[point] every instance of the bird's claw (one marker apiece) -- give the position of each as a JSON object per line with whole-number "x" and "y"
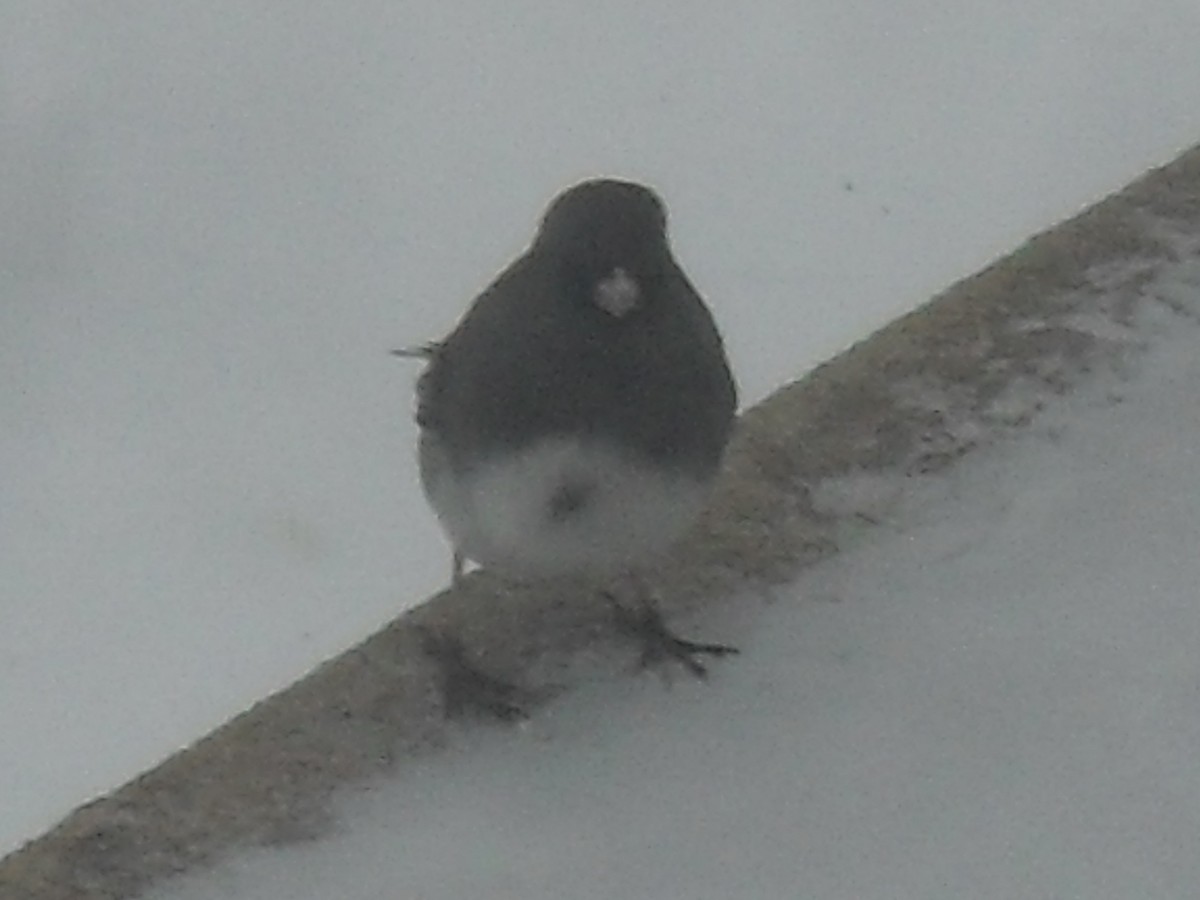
{"x": 660, "y": 644}
{"x": 466, "y": 687}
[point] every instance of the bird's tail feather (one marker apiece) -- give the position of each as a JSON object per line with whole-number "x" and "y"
{"x": 426, "y": 350}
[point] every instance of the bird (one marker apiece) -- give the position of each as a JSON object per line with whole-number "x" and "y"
{"x": 575, "y": 419}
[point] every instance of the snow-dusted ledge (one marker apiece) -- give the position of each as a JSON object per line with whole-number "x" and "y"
{"x": 974, "y": 364}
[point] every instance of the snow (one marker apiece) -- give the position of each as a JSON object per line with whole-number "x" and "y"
{"x": 993, "y": 694}
{"x": 215, "y": 218}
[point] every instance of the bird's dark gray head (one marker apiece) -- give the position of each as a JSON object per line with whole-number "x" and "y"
{"x": 609, "y": 240}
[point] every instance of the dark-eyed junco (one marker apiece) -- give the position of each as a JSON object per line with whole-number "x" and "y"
{"x": 575, "y": 418}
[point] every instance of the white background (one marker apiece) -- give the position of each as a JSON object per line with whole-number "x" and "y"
{"x": 216, "y": 217}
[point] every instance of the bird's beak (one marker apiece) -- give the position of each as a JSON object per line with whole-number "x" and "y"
{"x": 618, "y": 293}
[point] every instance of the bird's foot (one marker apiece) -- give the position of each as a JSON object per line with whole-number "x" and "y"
{"x": 660, "y": 644}
{"x": 465, "y": 687}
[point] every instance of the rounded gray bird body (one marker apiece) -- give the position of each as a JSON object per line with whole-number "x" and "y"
{"x": 576, "y": 416}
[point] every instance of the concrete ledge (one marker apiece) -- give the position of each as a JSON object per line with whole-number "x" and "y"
{"x": 974, "y": 364}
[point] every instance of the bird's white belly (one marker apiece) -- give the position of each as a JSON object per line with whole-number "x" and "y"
{"x": 561, "y": 506}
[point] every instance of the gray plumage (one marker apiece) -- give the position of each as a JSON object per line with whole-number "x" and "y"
{"x": 594, "y": 339}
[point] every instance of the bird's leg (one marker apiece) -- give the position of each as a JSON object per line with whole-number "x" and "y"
{"x": 457, "y": 565}
{"x": 466, "y": 687}
{"x": 659, "y": 643}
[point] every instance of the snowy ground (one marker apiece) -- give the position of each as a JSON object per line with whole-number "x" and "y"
{"x": 215, "y": 217}
{"x": 993, "y": 694}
